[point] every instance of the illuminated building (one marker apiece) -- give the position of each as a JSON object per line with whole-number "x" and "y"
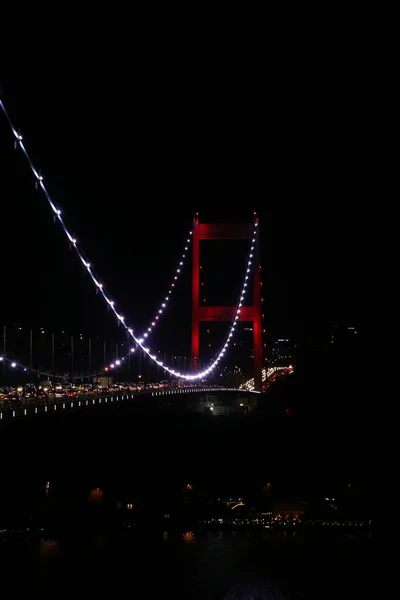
{"x": 282, "y": 352}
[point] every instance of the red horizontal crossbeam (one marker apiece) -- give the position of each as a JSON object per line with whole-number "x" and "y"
{"x": 224, "y": 231}
{"x": 226, "y": 313}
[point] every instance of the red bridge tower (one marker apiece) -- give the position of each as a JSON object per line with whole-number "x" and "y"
{"x": 203, "y": 231}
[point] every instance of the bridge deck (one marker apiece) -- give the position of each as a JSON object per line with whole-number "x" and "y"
{"x": 68, "y": 404}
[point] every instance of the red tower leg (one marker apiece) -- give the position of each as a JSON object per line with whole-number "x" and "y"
{"x": 196, "y": 297}
{"x": 257, "y": 327}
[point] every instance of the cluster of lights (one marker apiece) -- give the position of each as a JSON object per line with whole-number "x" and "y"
{"x": 116, "y": 363}
{"x": 175, "y": 277}
{"x": 100, "y": 288}
{"x": 266, "y": 375}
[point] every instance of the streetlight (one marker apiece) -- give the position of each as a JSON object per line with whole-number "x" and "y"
{"x": 117, "y": 362}
{"x": 112, "y": 365}
{"x": 108, "y": 377}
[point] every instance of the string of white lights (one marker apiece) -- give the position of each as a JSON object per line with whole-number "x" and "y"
{"x": 15, "y": 364}
{"x": 100, "y": 288}
{"x": 175, "y": 277}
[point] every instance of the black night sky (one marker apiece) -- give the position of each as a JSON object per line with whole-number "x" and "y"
{"x": 130, "y": 167}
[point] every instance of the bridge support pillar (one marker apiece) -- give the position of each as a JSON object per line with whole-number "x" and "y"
{"x": 202, "y": 231}
{"x": 195, "y": 355}
{"x": 257, "y": 326}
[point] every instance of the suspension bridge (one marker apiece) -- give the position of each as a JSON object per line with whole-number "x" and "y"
{"x": 195, "y": 375}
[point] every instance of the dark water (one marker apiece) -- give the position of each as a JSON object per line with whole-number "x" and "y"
{"x": 142, "y": 454}
{"x": 200, "y": 565}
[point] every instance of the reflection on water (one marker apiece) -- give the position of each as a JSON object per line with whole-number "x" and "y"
{"x": 219, "y": 565}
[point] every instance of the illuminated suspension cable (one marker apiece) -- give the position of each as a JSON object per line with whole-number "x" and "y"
{"x": 18, "y": 139}
{"x": 175, "y": 277}
{"x": 177, "y": 272}
{"x": 15, "y": 364}
{"x": 57, "y": 213}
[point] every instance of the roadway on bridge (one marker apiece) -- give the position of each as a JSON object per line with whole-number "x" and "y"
{"x": 88, "y": 401}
